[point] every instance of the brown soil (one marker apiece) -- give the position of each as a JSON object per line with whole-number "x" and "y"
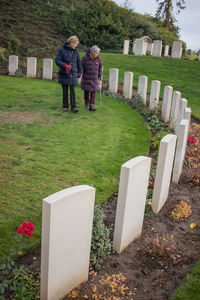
{"x": 23, "y": 117}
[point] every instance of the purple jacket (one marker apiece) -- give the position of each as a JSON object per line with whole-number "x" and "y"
{"x": 92, "y": 69}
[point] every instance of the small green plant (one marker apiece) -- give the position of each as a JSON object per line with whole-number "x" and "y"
{"x": 101, "y": 244}
{"x": 154, "y": 123}
{"x": 138, "y": 102}
{"x": 16, "y": 282}
{"x": 18, "y": 73}
{"x": 158, "y": 137}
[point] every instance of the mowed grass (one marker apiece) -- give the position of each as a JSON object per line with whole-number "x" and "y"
{"x": 39, "y": 159}
{"x": 182, "y": 75}
{"x": 190, "y": 289}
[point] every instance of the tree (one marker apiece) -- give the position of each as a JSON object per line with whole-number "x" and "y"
{"x": 165, "y": 11}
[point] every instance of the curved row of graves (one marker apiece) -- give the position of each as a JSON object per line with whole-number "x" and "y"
{"x": 140, "y": 47}
{"x": 67, "y": 216}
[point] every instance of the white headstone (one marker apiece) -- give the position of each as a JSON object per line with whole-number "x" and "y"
{"x": 166, "y": 51}
{"x": 144, "y": 52}
{"x": 154, "y": 94}
{"x": 67, "y": 219}
{"x": 142, "y": 88}
{"x": 134, "y": 43}
{"x": 128, "y": 85}
{"x": 157, "y": 48}
{"x": 181, "y": 109}
{"x": 12, "y": 64}
{"x": 182, "y": 134}
{"x": 174, "y": 109}
{"x": 47, "y": 68}
{"x": 139, "y": 47}
{"x": 150, "y": 48}
{"x": 113, "y": 80}
{"x": 176, "y": 49}
{"x": 166, "y": 105}
{"x": 187, "y": 113}
{"x": 131, "y": 201}
{"x": 31, "y": 67}
{"x": 163, "y": 172}
{"x": 126, "y": 47}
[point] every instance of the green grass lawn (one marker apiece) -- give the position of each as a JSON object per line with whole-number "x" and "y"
{"x": 190, "y": 289}
{"x": 38, "y": 160}
{"x": 182, "y": 75}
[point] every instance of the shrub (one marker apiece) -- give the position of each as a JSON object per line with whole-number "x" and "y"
{"x": 18, "y": 73}
{"x": 101, "y": 244}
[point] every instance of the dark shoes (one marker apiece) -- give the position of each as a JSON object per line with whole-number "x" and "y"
{"x": 74, "y": 109}
{"x": 92, "y": 108}
{"x": 65, "y": 108}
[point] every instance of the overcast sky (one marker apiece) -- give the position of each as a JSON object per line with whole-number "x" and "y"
{"x": 188, "y": 20}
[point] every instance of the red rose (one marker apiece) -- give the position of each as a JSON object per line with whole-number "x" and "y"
{"x": 26, "y": 227}
{"x": 19, "y": 230}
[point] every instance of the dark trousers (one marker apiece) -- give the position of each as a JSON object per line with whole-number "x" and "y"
{"x": 72, "y": 96}
{"x": 89, "y": 97}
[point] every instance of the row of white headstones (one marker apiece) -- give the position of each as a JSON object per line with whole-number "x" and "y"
{"x": 140, "y": 47}
{"x": 67, "y": 216}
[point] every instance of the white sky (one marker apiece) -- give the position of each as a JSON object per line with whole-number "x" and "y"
{"x": 188, "y": 20}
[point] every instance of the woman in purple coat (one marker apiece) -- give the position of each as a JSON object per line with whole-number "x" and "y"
{"x": 92, "y": 73}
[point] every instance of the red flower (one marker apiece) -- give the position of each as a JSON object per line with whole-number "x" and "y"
{"x": 26, "y": 227}
{"x": 19, "y": 230}
{"x": 107, "y": 82}
{"x": 190, "y": 139}
{"x": 155, "y": 99}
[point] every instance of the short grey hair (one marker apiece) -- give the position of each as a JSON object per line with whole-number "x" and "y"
{"x": 94, "y": 49}
{"x": 72, "y": 39}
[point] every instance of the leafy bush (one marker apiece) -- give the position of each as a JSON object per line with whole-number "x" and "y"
{"x": 158, "y": 137}
{"x": 101, "y": 244}
{"x": 137, "y": 102}
{"x": 18, "y": 73}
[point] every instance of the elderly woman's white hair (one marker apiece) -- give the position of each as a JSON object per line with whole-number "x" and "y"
{"x": 94, "y": 49}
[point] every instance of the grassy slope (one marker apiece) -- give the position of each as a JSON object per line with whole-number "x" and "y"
{"x": 38, "y": 160}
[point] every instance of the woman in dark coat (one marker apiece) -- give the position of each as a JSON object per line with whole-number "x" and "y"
{"x": 92, "y": 73}
{"x": 68, "y": 60}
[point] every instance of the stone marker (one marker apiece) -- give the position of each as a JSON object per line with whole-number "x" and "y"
{"x": 182, "y": 134}
{"x": 144, "y": 52}
{"x": 126, "y": 47}
{"x": 166, "y": 51}
{"x": 128, "y": 85}
{"x": 139, "y": 47}
{"x": 131, "y": 201}
{"x": 12, "y": 64}
{"x": 163, "y": 171}
{"x": 31, "y": 67}
{"x": 154, "y": 94}
{"x": 157, "y": 48}
{"x": 150, "y": 48}
{"x": 142, "y": 88}
{"x": 166, "y": 105}
{"x": 187, "y": 113}
{"x": 174, "y": 109}
{"x": 47, "y": 68}
{"x": 67, "y": 218}
{"x": 113, "y": 80}
{"x": 181, "y": 109}
{"x": 134, "y": 44}
{"x": 176, "y": 49}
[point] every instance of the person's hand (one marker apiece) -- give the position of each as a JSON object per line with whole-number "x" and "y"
{"x": 79, "y": 75}
{"x": 67, "y": 67}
